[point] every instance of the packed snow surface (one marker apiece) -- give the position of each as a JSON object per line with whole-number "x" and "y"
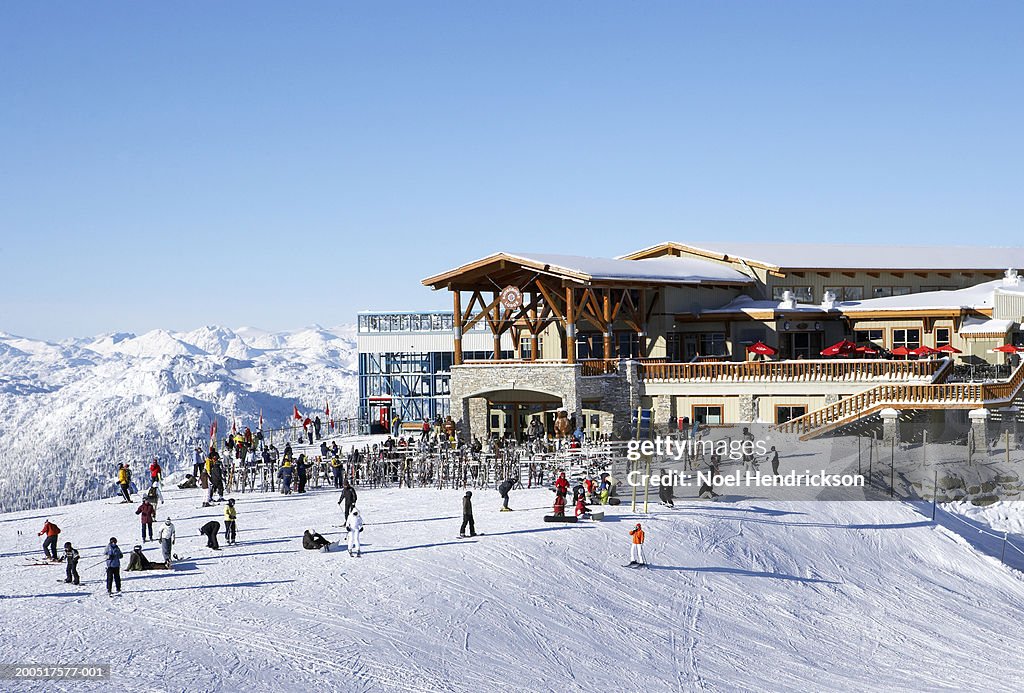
{"x": 754, "y": 595}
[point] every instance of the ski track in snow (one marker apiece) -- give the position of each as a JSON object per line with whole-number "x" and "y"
{"x": 749, "y": 596}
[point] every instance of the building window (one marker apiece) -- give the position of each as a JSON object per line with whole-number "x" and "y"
{"x": 941, "y": 336}
{"x": 590, "y": 345}
{"x": 709, "y": 415}
{"x": 674, "y": 347}
{"x": 911, "y": 339}
{"x": 788, "y": 412}
{"x": 847, "y": 293}
{"x": 711, "y": 344}
{"x": 804, "y": 294}
{"x": 874, "y": 336}
{"x": 628, "y": 344}
{"x": 885, "y": 291}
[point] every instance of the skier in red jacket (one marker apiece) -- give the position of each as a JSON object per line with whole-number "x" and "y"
{"x": 154, "y": 470}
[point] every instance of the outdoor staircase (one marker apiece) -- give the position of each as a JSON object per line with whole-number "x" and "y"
{"x": 937, "y": 395}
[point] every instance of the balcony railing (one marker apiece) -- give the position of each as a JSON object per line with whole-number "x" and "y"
{"x": 793, "y": 371}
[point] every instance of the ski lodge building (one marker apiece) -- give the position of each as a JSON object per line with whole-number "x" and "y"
{"x": 812, "y": 337}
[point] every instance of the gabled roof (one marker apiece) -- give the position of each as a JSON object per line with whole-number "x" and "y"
{"x": 662, "y": 270}
{"x": 846, "y": 256}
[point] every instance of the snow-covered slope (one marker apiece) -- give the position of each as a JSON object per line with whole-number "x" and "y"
{"x": 751, "y": 596}
{"x": 70, "y": 411}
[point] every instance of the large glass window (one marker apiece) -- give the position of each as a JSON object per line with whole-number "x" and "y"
{"x": 910, "y": 339}
{"x": 787, "y": 412}
{"x": 876, "y": 337}
{"x": 712, "y": 344}
{"x": 709, "y": 415}
{"x": 942, "y": 335}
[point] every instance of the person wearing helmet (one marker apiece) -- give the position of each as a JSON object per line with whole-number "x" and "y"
{"x": 636, "y": 553}
{"x": 230, "y": 516}
{"x": 354, "y": 525}
{"x": 467, "y": 515}
{"x": 71, "y": 563}
{"x": 503, "y": 490}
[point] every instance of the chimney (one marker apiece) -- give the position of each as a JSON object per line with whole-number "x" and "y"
{"x": 788, "y": 301}
{"x": 828, "y": 300}
{"x": 1011, "y": 278}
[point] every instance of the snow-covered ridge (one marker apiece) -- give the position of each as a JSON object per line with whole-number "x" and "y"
{"x": 71, "y": 410}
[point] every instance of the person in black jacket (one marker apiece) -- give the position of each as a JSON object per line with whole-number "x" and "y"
{"x": 311, "y": 540}
{"x": 503, "y": 490}
{"x": 210, "y": 531}
{"x": 71, "y": 563}
{"x": 348, "y": 495}
{"x": 302, "y": 472}
{"x": 467, "y": 515}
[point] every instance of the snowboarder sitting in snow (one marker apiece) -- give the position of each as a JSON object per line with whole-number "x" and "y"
{"x": 581, "y": 509}
{"x": 189, "y": 482}
{"x": 313, "y": 541}
{"x": 138, "y": 561}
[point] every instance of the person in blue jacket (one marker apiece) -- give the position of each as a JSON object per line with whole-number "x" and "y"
{"x": 114, "y": 555}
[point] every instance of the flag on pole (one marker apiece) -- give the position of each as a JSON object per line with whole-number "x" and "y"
{"x": 261, "y": 419}
{"x": 233, "y": 429}
{"x": 327, "y": 408}
{"x": 213, "y": 432}
{"x": 296, "y": 415}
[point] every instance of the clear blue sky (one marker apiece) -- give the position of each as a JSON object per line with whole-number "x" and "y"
{"x": 279, "y": 164}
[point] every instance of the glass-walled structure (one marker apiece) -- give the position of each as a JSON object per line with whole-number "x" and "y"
{"x": 405, "y": 361}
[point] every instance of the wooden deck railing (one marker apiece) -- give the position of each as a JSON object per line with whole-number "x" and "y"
{"x": 599, "y": 366}
{"x": 793, "y": 371}
{"x": 904, "y": 396}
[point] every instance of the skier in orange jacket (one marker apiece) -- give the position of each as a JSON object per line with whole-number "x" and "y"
{"x": 636, "y": 554}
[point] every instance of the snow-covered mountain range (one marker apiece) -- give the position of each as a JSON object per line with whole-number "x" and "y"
{"x": 71, "y": 411}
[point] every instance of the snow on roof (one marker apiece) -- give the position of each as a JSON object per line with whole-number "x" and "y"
{"x": 991, "y": 326}
{"x": 979, "y": 296}
{"x": 746, "y": 304}
{"x": 858, "y": 256}
{"x": 660, "y": 269}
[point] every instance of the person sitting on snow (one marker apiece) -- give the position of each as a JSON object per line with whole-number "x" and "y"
{"x": 313, "y": 541}
{"x": 559, "y": 509}
{"x": 138, "y": 561}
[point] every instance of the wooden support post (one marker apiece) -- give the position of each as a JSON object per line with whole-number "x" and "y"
{"x": 642, "y": 315}
{"x": 457, "y": 324}
{"x": 534, "y": 342}
{"x": 570, "y": 325}
{"x": 606, "y": 319}
{"x": 496, "y": 328}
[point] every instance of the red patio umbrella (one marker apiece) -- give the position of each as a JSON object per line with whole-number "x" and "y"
{"x": 900, "y": 351}
{"x": 1007, "y": 349}
{"x": 949, "y": 349}
{"x": 761, "y": 348}
{"x": 922, "y": 350}
{"x": 868, "y": 351}
{"x": 842, "y": 348}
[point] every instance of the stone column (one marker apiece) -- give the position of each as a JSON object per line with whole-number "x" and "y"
{"x": 980, "y": 419}
{"x": 890, "y": 425}
{"x": 1009, "y": 415}
{"x": 747, "y": 410}
{"x": 663, "y": 411}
